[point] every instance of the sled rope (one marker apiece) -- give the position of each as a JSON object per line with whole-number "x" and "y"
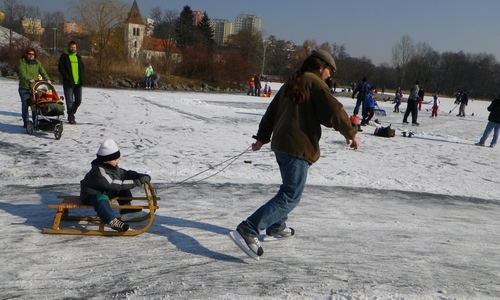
{"x": 231, "y": 160}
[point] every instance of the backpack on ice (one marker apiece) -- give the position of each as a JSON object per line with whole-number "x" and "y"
{"x": 385, "y": 131}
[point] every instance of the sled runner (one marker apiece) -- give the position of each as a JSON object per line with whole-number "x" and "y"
{"x": 73, "y": 202}
{"x": 379, "y": 112}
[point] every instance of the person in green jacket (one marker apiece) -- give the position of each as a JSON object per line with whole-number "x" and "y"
{"x": 294, "y": 118}
{"x": 147, "y": 74}
{"x": 29, "y": 70}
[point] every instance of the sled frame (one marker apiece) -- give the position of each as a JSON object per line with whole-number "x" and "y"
{"x": 73, "y": 202}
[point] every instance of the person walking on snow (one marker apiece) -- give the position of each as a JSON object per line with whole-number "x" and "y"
{"x": 72, "y": 71}
{"x": 493, "y": 124}
{"x": 294, "y": 118}
{"x": 369, "y": 105}
{"x": 251, "y": 84}
{"x": 397, "y": 99}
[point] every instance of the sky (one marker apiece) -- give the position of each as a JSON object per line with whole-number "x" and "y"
{"x": 366, "y": 28}
{"x": 399, "y": 218}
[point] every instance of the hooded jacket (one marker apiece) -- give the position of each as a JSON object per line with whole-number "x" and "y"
{"x": 65, "y": 68}
{"x": 104, "y": 178}
{"x": 296, "y": 128}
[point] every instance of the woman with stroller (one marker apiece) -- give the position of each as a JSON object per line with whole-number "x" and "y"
{"x": 29, "y": 69}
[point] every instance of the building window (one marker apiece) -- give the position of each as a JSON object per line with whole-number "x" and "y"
{"x": 135, "y": 44}
{"x": 138, "y": 32}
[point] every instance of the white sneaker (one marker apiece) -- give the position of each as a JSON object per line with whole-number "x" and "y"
{"x": 134, "y": 215}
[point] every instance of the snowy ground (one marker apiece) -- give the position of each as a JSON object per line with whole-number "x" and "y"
{"x": 400, "y": 218}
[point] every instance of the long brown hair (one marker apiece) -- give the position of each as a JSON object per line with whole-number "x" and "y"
{"x": 293, "y": 89}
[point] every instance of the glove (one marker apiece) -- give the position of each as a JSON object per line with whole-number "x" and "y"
{"x": 144, "y": 178}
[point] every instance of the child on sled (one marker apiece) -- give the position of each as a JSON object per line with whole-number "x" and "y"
{"x": 106, "y": 180}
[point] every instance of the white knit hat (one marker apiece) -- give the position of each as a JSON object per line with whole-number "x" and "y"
{"x": 108, "y": 151}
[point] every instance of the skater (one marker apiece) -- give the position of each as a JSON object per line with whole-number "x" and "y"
{"x": 294, "y": 118}
{"x": 397, "y": 99}
{"x": 369, "y": 105}
{"x": 251, "y": 84}
{"x": 361, "y": 90}
{"x": 435, "y": 105}
{"x": 493, "y": 123}
{"x": 421, "y": 95}
{"x": 72, "y": 71}
{"x": 147, "y": 76}
{"x": 464, "y": 100}
{"x": 106, "y": 180}
{"x": 412, "y": 105}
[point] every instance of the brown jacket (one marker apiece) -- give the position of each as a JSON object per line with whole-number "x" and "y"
{"x": 296, "y": 129}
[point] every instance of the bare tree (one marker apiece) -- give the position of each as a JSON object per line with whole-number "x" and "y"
{"x": 13, "y": 16}
{"x": 103, "y": 20}
{"x": 52, "y": 22}
{"x": 402, "y": 53}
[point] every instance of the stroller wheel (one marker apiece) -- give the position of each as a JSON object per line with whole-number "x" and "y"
{"x": 30, "y": 127}
{"x": 58, "y": 129}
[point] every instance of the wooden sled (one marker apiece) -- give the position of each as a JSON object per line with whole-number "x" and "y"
{"x": 73, "y": 202}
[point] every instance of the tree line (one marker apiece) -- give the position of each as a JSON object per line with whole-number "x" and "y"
{"x": 247, "y": 53}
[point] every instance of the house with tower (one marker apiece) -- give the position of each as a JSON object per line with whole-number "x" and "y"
{"x": 138, "y": 43}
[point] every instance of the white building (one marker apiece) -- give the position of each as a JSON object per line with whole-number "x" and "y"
{"x": 250, "y": 23}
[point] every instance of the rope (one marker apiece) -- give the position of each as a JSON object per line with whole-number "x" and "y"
{"x": 231, "y": 160}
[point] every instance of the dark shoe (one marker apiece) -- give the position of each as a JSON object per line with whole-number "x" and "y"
{"x": 415, "y": 124}
{"x": 118, "y": 225}
{"x": 72, "y": 122}
{"x": 479, "y": 144}
{"x": 285, "y": 233}
{"x": 252, "y": 242}
{"x": 405, "y": 122}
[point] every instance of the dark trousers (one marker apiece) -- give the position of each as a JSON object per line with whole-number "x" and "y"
{"x": 411, "y": 108}
{"x": 368, "y": 116}
{"x": 73, "y": 97}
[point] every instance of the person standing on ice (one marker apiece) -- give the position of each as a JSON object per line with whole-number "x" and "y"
{"x": 411, "y": 107}
{"x": 148, "y": 82}
{"x": 294, "y": 118}
{"x": 360, "y": 92}
{"x": 493, "y": 124}
{"x": 464, "y": 100}
{"x": 435, "y": 106}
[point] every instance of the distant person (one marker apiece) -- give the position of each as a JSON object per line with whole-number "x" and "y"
{"x": 493, "y": 123}
{"x": 397, "y": 99}
{"x": 147, "y": 76}
{"x": 369, "y": 106}
{"x": 421, "y": 95}
{"x": 251, "y": 84}
{"x": 292, "y": 123}
{"x": 106, "y": 180}
{"x": 29, "y": 68}
{"x": 155, "y": 78}
{"x": 464, "y": 100}
{"x": 265, "y": 89}
{"x": 412, "y": 105}
{"x": 269, "y": 90}
{"x": 257, "y": 84}
{"x": 72, "y": 71}
{"x": 435, "y": 105}
{"x": 360, "y": 93}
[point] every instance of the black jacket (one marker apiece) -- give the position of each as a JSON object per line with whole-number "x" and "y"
{"x": 64, "y": 68}
{"x": 494, "y": 110}
{"x": 103, "y": 178}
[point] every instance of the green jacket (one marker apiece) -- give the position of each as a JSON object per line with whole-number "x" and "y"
{"x": 296, "y": 128}
{"x": 29, "y": 69}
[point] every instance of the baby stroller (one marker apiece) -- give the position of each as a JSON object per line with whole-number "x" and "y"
{"x": 47, "y": 109}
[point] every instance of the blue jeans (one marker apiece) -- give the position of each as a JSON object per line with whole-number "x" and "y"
{"x": 274, "y": 213}
{"x": 148, "y": 81}
{"x": 489, "y": 127}
{"x": 101, "y": 205}
{"x": 25, "y": 94}
{"x": 359, "y": 102}
{"x": 73, "y": 96}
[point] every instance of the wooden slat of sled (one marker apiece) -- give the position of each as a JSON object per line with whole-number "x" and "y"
{"x": 73, "y": 202}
